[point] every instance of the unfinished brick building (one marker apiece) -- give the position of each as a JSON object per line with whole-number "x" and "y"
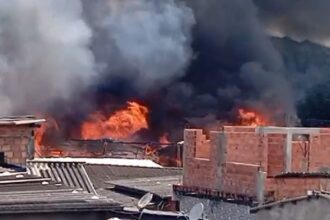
{"x": 258, "y": 164}
{"x": 17, "y": 139}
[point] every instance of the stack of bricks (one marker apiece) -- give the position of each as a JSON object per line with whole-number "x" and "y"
{"x": 13, "y": 143}
{"x": 234, "y": 156}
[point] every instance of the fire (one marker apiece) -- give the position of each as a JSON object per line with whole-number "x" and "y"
{"x": 164, "y": 139}
{"x": 40, "y": 132}
{"x": 120, "y": 125}
{"x": 251, "y": 118}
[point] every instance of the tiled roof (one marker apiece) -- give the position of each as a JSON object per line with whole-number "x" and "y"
{"x": 71, "y": 174}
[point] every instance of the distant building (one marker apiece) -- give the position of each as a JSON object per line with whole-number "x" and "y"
{"x": 314, "y": 206}
{"x": 240, "y": 167}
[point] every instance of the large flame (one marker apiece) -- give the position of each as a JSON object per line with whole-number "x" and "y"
{"x": 40, "y": 133}
{"x": 251, "y": 118}
{"x": 120, "y": 125}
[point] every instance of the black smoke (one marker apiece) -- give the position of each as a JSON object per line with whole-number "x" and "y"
{"x": 192, "y": 62}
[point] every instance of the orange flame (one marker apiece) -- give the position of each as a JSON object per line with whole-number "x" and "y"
{"x": 40, "y": 132}
{"x": 164, "y": 139}
{"x": 50, "y": 123}
{"x": 251, "y": 118}
{"x": 121, "y": 125}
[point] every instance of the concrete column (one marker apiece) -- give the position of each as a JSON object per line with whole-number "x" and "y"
{"x": 220, "y": 142}
{"x": 288, "y": 152}
{"x": 260, "y": 187}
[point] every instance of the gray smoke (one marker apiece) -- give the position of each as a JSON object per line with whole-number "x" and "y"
{"x": 146, "y": 41}
{"x": 209, "y": 57}
{"x": 246, "y": 55}
{"x": 43, "y": 52}
{"x": 54, "y": 49}
{"x": 300, "y": 20}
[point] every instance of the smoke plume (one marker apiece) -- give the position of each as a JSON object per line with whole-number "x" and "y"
{"x": 189, "y": 61}
{"x": 145, "y": 42}
{"x": 55, "y": 50}
{"x": 300, "y": 20}
{"x": 235, "y": 52}
{"x": 43, "y": 53}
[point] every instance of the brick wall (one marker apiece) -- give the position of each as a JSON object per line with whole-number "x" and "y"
{"x": 220, "y": 170}
{"x": 319, "y": 152}
{"x": 240, "y": 179}
{"x": 244, "y": 145}
{"x": 13, "y": 142}
{"x": 275, "y": 154}
{"x": 200, "y": 172}
{"x": 284, "y": 188}
{"x": 230, "y": 160}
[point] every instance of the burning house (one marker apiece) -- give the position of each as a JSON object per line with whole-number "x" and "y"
{"x": 132, "y": 76}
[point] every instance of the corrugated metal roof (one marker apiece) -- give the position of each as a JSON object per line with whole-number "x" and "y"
{"x": 100, "y": 175}
{"x": 20, "y": 120}
{"x": 69, "y": 173}
{"x": 104, "y": 161}
{"x": 25, "y": 193}
{"x": 162, "y": 186}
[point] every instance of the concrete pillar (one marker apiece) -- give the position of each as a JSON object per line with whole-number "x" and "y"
{"x": 288, "y": 152}
{"x": 260, "y": 187}
{"x": 220, "y": 143}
